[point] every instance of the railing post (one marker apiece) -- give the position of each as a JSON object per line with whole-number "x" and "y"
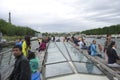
{"x": 10, "y": 58}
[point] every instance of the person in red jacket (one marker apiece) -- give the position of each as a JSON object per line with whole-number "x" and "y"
{"x": 42, "y": 46}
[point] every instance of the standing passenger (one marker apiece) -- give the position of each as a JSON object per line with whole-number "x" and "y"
{"x": 26, "y": 46}
{"x": 21, "y": 69}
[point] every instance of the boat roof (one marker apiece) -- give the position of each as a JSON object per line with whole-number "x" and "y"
{"x": 64, "y": 62}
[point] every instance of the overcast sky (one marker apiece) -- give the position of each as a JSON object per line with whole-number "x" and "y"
{"x": 61, "y": 15}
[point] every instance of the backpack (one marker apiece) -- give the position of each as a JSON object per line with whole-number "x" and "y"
{"x": 88, "y": 50}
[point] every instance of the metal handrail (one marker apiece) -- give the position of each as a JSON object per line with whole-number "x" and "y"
{"x": 8, "y": 66}
{"x": 2, "y": 55}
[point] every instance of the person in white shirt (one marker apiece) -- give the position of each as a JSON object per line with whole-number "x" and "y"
{"x": 82, "y": 44}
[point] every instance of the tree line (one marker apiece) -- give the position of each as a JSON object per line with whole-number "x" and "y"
{"x": 13, "y": 30}
{"x": 114, "y": 29}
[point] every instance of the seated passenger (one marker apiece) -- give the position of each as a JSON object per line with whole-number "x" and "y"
{"x": 112, "y": 55}
{"x": 42, "y": 46}
{"x": 94, "y": 50}
{"x": 65, "y": 39}
{"x": 34, "y": 66}
{"x": 19, "y": 42}
{"x": 76, "y": 41}
{"x": 82, "y": 44}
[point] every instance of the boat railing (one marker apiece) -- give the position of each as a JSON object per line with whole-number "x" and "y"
{"x": 6, "y": 63}
{"x": 4, "y": 55}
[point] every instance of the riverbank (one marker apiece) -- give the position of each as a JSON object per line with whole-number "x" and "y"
{"x": 12, "y": 38}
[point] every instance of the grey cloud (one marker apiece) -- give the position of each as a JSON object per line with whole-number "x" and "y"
{"x": 100, "y": 5}
{"x": 105, "y": 11}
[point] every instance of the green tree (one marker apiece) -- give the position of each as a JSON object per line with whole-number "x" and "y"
{"x": 13, "y": 30}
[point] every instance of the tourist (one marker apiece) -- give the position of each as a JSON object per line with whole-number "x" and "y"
{"x": 42, "y": 46}
{"x": 34, "y": 66}
{"x": 65, "y": 39}
{"x": 26, "y": 46}
{"x": 106, "y": 44}
{"x": 21, "y": 69}
{"x": 112, "y": 55}
{"x": 93, "y": 49}
{"x": 82, "y": 44}
{"x": 19, "y": 42}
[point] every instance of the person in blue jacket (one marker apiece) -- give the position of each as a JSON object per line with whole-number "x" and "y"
{"x": 19, "y": 42}
{"x": 93, "y": 49}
